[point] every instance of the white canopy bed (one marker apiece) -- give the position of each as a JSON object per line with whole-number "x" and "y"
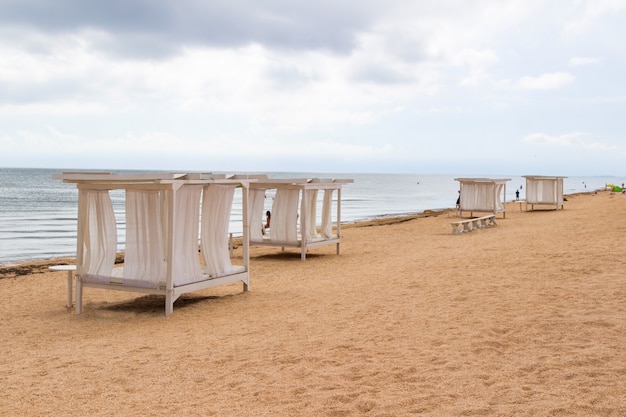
{"x": 294, "y": 219}
{"x": 166, "y": 215}
{"x": 482, "y": 195}
{"x": 544, "y": 190}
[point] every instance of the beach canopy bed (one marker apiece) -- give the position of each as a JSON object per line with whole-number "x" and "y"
{"x": 169, "y": 218}
{"x": 294, "y": 212}
{"x": 482, "y": 195}
{"x": 544, "y": 190}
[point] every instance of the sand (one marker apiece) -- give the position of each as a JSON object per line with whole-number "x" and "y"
{"x": 527, "y": 318}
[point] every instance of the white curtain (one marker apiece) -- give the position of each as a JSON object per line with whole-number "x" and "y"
{"x": 217, "y": 203}
{"x": 559, "y": 191}
{"x": 531, "y": 191}
{"x": 541, "y": 191}
{"x": 285, "y": 216}
{"x": 478, "y": 196}
{"x": 255, "y": 214}
{"x": 185, "y": 262}
{"x": 499, "y": 203}
{"x": 143, "y": 261}
{"x": 327, "y": 221}
{"x": 310, "y": 201}
{"x": 166, "y": 196}
{"x": 98, "y": 233}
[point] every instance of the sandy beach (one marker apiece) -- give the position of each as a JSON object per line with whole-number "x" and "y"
{"x": 527, "y": 318}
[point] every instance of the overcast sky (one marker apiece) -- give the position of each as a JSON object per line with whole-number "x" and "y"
{"x": 493, "y": 87}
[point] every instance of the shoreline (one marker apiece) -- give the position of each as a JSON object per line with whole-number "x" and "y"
{"x": 18, "y": 269}
{"x": 41, "y": 265}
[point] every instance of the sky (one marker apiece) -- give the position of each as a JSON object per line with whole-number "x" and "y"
{"x": 483, "y": 87}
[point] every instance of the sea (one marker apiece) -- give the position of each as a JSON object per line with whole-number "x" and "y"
{"x": 38, "y": 214}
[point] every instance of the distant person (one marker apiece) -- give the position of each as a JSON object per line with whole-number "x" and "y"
{"x": 268, "y": 218}
{"x": 516, "y": 195}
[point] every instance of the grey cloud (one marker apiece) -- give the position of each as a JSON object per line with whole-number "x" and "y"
{"x": 160, "y": 27}
{"x": 68, "y": 15}
{"x": 26, "y": 93}
{"x": 379, "y": 74}
{"x": 410, "y": 50}
{"x": 290, "y": 77}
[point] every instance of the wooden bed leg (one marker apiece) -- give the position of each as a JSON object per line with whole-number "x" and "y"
{"x": 79, "y": 295}
{"x": 169, "y": 304}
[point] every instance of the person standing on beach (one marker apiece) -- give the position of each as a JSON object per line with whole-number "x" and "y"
{"x": 268, "y": 218}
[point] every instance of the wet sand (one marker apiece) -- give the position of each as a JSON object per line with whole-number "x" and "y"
{"x": 527, "y": 318}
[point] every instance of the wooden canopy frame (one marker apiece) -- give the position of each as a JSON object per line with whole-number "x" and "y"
{"x": 174, "y": 258}
{"x": 296, "y": 219}
{"x": 482, "y": 195}
{"x": 544, "y": 190}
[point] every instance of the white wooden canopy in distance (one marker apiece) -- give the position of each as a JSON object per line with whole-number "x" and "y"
{"x": 544, "y": 190}
{"x": 294, "y": 208}
{"x": 482, "y": 195}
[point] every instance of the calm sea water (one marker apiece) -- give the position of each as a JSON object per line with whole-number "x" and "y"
{"x": 38, "y": 214}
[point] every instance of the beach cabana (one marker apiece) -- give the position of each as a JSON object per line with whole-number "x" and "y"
{"x": 482, "y": 195}
{"x": 169, "y": 219}
{"x": 294, "y": 212}
{"x": 544, "y": 190}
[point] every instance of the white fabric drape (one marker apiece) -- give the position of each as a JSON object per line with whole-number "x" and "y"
{"x": 310, "y": 201}
{"x": 143, "y": 261}
{"x": 285, "y": 216}
{"x": 541, "y": 191}
{"x": 166, "y": 196}
{"x": 255, "y": 219}
{"x": 499, "y": 203}
{"x": 327, "y": 221}
{"x": 98, "y": 233}
{"x": 532, "y": 192}
{"x": 217, "y": 203}
{"x": 185, "y": 263}
{"x": 479, "y": 197}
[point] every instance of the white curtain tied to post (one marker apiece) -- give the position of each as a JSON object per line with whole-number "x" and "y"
{"x": 327, "y": 225}
{"x": 285, "y": 216}
{"x": 217, "y": 203}
{"x": 257, "y": 203}
{"x": 98, "y": 233}
{"x": 499, "y": 203}
{"x": 185, "y": 265}
{"x": 144, "y": 258}
{"x": 310, "y": 201}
